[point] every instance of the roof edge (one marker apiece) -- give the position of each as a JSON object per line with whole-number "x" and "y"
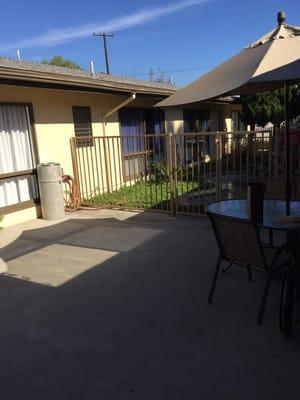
{"x": 14, "y": 73}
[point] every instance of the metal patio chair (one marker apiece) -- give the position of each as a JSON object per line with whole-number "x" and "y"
{"x": 239, "y": 243}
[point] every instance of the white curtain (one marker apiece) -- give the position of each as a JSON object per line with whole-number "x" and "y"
{"x": 15, "y": 155}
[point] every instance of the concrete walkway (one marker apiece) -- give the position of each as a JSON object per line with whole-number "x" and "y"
{"x": 113, "y": 305}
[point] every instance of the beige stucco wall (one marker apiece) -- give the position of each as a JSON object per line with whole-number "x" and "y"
{"x": 175, "y": 123}
{"x": 174, "y": 120}
{"x": 227, "y": 112}
{"x": 17, "y": 217}
{"x": 54, "y": 120}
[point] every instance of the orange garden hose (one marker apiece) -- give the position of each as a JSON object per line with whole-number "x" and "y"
{"x": 71, "y": 193}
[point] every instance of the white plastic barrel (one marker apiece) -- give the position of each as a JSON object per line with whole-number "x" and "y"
{"x": 51, "y": 190}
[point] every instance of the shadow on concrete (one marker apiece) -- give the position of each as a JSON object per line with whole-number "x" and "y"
{"x": 102, "y": 308}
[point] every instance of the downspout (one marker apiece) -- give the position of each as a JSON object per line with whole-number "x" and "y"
{"x": 104, "y": 122}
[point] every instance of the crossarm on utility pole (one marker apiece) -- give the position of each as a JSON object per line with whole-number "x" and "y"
{"x": 105, "y": 36}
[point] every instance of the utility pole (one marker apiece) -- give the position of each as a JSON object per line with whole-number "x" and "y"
{"x": 105, "y": 36}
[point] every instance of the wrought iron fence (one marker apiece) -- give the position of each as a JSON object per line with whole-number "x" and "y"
{"x": 179, "y": 173}
{"x": 124, "y": 171}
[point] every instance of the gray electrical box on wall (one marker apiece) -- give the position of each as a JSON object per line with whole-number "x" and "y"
{"x": 51, "y": 190}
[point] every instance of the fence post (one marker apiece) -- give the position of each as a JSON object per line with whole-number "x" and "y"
{"x": 107, "y": 160}
{"x": 219, "y": 165}
{"x": 170, "y": 160}
{"x": 270, "y": 153}
{"x": 75, "y": 164}
{"x": 175, "y": 183}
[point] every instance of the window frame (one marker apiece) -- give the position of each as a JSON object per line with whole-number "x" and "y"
{"x": 195, "y": 116}
{"x": 83, "y": 140}
{"x": 241, "y": 125}
{"x": 29, "y": 172}
{"x": 145, "y": 151}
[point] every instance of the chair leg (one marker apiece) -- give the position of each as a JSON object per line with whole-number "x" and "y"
{"x": 213, "y": 285}
{"x": 271, "y": 237}
{"x": 264, "y": 299}
{"x": 249, "y": 273}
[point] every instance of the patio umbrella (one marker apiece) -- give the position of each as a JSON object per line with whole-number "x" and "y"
{"x": 271, "y": 62}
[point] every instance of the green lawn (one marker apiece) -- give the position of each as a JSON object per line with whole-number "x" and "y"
{"x": 143, "y": 195}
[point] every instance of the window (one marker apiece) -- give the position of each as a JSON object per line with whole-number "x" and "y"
{"x": 17, "y": 161}
{"x": 82, "y": 125}
{"x": 221, "y": 120}
{"x": 140, "y": 144}
{"x": 131, "y": 129}
{"x": 135, "y": 124}
{"x": 196, "y": 121}
{"x": 237, "y": 123}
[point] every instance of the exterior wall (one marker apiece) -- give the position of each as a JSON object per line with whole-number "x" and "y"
{"x": 54, "y": 119}
{"x": 20, "y": 216}
{"x": 91, "y": 159}
{"x": 53, "y": 126}
{"x": 174, "y": 120}
{"x": 227, "y": 112}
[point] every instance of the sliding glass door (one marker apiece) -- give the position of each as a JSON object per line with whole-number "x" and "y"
{"x": 17, "y": 160}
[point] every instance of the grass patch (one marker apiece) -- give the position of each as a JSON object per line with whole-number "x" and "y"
{"x": 154, "y": 195}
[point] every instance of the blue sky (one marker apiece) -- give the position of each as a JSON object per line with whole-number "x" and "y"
{"x": 184, "y": 38}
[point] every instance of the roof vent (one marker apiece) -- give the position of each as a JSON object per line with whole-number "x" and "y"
{"x": 281, "y": 17}
{"x": 92, "y": 70}
{"x": 18, "y": 55}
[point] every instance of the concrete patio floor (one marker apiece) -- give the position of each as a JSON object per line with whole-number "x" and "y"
{"x": 113, "y": 305}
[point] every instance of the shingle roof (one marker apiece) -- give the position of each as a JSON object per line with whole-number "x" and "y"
{"x": 11, "y": 67}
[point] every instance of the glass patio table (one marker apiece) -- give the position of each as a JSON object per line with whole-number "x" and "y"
{"x": 274, "y": 211}
{"x": 273, "y": 216}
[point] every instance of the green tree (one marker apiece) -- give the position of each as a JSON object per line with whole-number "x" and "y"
{"x": 260, "y": 108}
{"x": 295, "y": 101}
{"x": 62, "y": 62}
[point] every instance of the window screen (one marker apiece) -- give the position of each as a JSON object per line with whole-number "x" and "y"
{"x": 82, "y": 124}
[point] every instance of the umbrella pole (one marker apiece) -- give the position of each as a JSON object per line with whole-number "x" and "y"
{"x": 287, "y": 148}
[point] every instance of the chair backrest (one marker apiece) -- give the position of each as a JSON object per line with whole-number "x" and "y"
{"x": 238, "y": 240}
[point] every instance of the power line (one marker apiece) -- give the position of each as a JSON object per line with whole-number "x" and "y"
{"x": 200, "y": 68}
{"x": 190, "y": 69}
{"x": 105, "y": 36}
{"x": 191, "y": 22}
{"x": 230, "y": 20}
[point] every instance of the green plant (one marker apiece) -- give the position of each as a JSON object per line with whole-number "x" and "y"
{"x": 62, "y": 62}
{"x": 161, "y": 170}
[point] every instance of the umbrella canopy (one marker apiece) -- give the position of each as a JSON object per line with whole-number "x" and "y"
{"x": 269, "y": 63}
{"x": 262, "y": 66}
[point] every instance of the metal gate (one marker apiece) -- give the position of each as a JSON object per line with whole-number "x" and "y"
{"x": 177, "y": 174}
{"x": 130, "y": 172}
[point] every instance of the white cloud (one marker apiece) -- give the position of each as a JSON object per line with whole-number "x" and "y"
{"x": 54, "y": 37}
